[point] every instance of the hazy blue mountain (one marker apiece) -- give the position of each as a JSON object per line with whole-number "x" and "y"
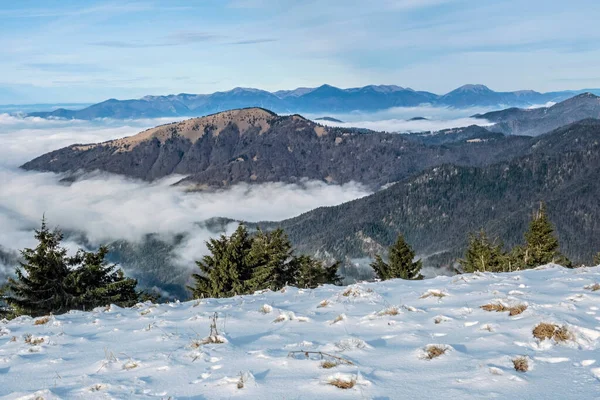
{"x": 323, "y": 99}
{"x": 329, "y": 119}
{"x": 533, "y": 122}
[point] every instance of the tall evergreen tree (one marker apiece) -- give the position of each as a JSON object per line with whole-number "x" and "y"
{"x": 401, "y": 263}
{"x": 49, "y": 281}
{"x": 95, "y": 282}
{"x": 484, "y": 255}
{"x": 541, "y": 245}
{"x": 225, "y": 269}
{"x": 270, "y": 257}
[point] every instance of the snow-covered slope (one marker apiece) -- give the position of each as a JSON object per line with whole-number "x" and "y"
{"x": 381, "y": 329}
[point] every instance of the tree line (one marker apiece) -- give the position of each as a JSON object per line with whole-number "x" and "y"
{"x": 51, "y": 281}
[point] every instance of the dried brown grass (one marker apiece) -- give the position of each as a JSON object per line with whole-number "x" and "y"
{"x": 498, "y": 307}
{"x": 29, "y": 339}
{"x": 324, "y": 303}
{"x": 436, "y": 293}
{"x": 595, "y": 287}
{"x": 342, "y": 383}
{"x": 42, "y": 321}
{"x": 545, "y": 331}
{"x": 521, "y": 364}
{"x": 434, "y": 351}
{"x": 390, "y": 311}
{"x": 329, "y": 364}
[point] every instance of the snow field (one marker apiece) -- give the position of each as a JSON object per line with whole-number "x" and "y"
{"x": 384, "y": 340}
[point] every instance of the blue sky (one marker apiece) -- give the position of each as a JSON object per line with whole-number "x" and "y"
{"x": 86, "y": 51}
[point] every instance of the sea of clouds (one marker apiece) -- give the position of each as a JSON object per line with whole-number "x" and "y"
{"x": 106, "y": 207}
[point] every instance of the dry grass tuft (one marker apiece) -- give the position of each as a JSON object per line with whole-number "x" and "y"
{"x": 280, "y": 318}
{"x": 212, "y": 340}
{"x": 595, "y": 287}
{"x": 342, "y": 383}
{"x": 521, "y": 364}
{"x": 130, "y": 365}
{"x": 434, "y": 351}
{"x": 329, "y": 364}
{"x": 545, "y": 331}
{"x": 493, "y": 307}
{"x": 390, "y": 311}
{"x": 337, "y": 319}
{"x": 433, "y": 293}
{"x": 498, "y": 307}
{"x": 516, "y": 310}
{"x": 29, "y": 339}
{"x": 42, "y": 321}
{"x": 324, "y": 303}
{"x": 351, "y": 292}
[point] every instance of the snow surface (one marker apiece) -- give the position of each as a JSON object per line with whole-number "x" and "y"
{"x": 382, "y": 328}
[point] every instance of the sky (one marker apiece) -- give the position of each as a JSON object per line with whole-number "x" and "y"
{"x": 86, "y": 51}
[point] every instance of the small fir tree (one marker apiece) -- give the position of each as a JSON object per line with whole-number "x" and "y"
{"x": 401, "y": 263}
{"x": 541, "y": 245}
{"x": 310, "y": 273}
{"x": 225, "y": 270}
{"x": 484, "y": 255}
{"x": 270, "y": 256}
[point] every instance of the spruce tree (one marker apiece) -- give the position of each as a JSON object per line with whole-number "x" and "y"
{"x": 597, "y": 259}
{"x": 244, "y": 263}
{"x": 39, "y": 287}
{"x": 270, "y": 257}
{"x": 484, "y": 255}
{"x": 541, "y": 245}
{"x": 401, "y": 263}
{"x": 308, "y": 272}
{"x": 49, "y": 281}
{"x": 225, "y": 271}
{"x": 96, "y": 283}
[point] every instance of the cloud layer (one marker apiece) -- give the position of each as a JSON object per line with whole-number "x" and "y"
{"x": 108, "y": 207}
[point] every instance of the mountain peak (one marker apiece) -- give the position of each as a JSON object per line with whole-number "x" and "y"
{"x": 246, "y": 119}
{"x": 473, "y": 88}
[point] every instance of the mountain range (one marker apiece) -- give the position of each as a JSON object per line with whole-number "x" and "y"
{"x": 322, "y": 99}
{"x": 254, "y": 145}
{"x": 535, "y": 121}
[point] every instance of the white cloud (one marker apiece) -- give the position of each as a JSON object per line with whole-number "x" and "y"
{"x": 398, "y": 119}
{"x": 108, "y": 207}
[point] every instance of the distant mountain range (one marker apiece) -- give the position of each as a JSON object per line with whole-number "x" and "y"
{"x": 323, "y": 99}
{"x": 533, "y": 122}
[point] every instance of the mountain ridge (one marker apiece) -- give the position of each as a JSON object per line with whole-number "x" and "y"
{"x": 322, "y": 99}
{"x": 254, "y": 145}
{"x": 535, "y": 121}
{"x": 437, "y": 208}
